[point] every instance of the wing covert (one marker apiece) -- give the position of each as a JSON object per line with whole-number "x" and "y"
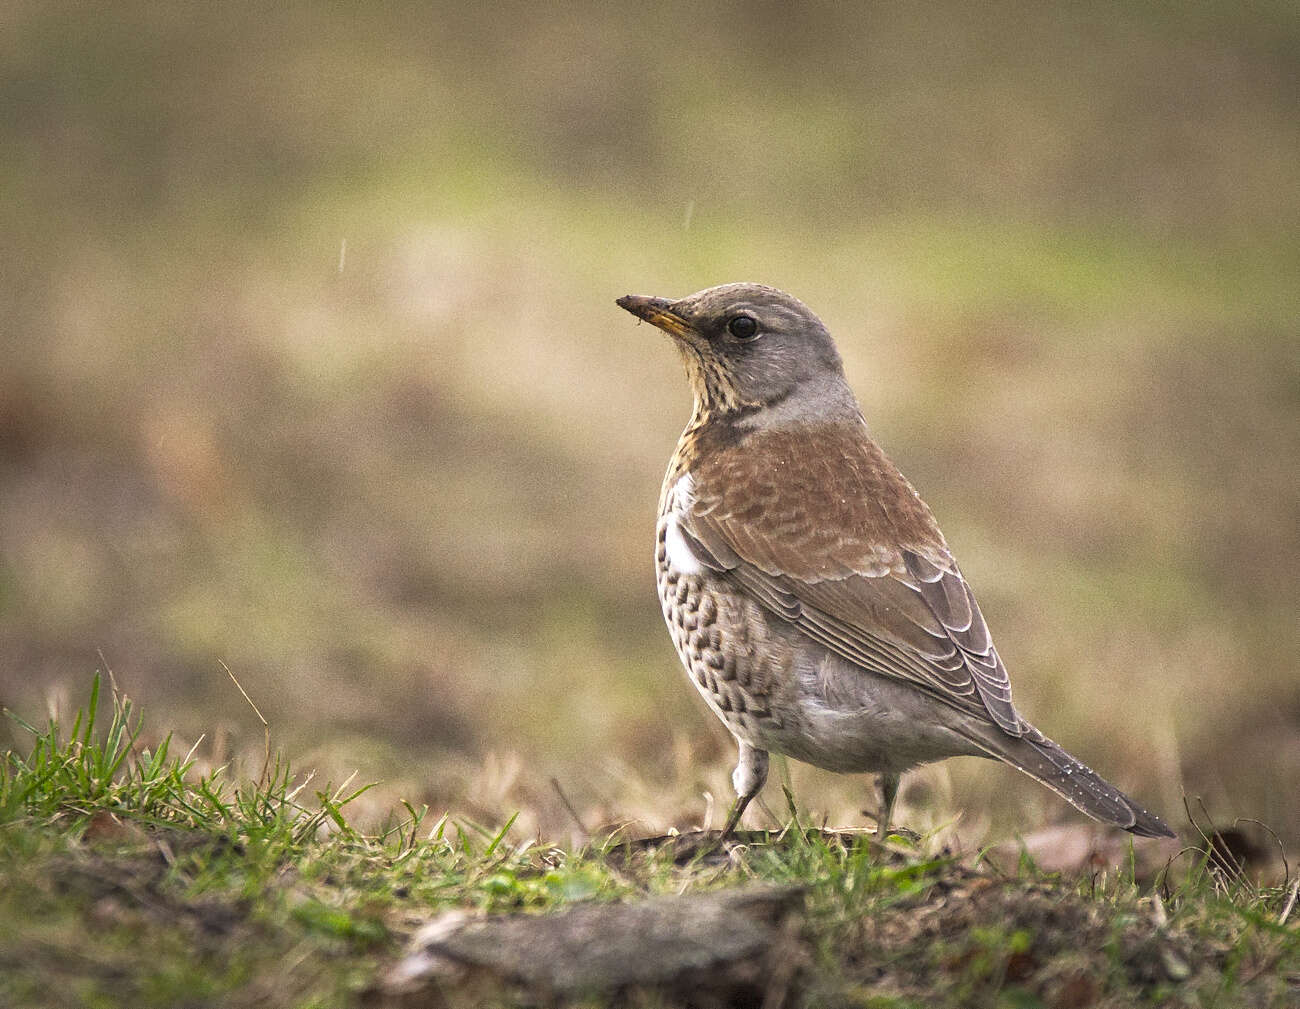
{"x": 851, "y": 556}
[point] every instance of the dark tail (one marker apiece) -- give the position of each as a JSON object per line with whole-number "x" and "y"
{"x": 1075, "y": 782}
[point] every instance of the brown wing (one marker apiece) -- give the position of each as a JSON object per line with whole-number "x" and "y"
{"x": 821, "y": 528}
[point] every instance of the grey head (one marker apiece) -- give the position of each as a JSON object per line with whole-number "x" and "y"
{"x": 755, "y": 351}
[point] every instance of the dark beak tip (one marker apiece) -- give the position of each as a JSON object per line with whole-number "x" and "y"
{"x": 643, "y": 306}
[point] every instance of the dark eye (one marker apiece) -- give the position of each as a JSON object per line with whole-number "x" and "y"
{"x": 742, "y": 327}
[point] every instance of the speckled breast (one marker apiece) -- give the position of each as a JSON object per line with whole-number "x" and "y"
{"x": 717, "y": 638}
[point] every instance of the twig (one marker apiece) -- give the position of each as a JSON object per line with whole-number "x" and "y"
{"x": 266, "y": 726}
{"x": 1218, "y": 857}
{"x": 108, "y": 669}
{"x": 564, "y": 800}
{"x": 1281, "y": 848}
{"x": 1290, "y": 903}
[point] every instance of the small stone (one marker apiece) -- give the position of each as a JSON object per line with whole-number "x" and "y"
{"x": 733, "y": 946}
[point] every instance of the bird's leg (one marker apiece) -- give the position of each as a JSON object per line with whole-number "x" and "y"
{"x": 889, "y": 782}
{"x": 747, "y": 779}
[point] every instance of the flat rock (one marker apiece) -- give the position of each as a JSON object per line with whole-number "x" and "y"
{"x": 736, "y": 947}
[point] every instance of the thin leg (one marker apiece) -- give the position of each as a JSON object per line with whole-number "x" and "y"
{"x": 889, "y": 794}
{"x": 747, "y": 779}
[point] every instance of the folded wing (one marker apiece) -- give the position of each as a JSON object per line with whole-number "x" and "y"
{"x": 838, "y": 543}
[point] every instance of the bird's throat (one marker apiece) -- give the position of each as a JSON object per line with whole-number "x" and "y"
{"x": 712, "y": 386}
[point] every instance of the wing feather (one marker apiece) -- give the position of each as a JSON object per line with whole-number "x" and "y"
{"x": 850, "y": 555}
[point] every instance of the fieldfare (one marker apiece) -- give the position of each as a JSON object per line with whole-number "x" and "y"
{"x": 808, "y": 590}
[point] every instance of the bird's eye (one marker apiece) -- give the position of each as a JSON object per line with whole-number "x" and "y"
{"x": 742, "y": 327}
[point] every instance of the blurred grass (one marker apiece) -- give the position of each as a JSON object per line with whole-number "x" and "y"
{"x": 312, "y": 366}
{"x": 138, "y": 876}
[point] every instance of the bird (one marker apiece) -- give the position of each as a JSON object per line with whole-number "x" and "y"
{"x": 807, "y": 588}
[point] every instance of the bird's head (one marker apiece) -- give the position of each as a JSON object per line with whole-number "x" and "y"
{"x": 752, "y": 350}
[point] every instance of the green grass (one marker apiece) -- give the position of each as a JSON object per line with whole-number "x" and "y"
{"x": 135, "y": 876}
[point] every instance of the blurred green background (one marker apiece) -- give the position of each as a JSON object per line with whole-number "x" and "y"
{"x": 311, "y": 365}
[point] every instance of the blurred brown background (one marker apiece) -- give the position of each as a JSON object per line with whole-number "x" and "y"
{"x": 311, "y": 365}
